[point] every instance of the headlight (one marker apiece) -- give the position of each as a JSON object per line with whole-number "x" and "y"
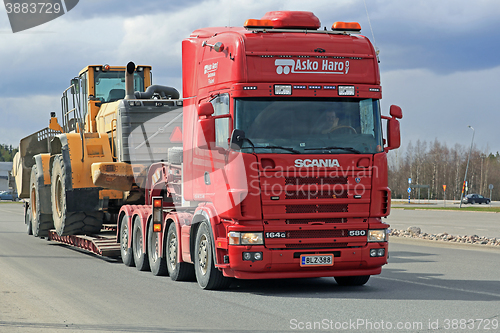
{"x": 379, "y": 235}
{"x": 245, "y": 238}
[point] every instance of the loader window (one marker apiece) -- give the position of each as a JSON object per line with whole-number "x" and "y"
{"x": 110, "y": 86}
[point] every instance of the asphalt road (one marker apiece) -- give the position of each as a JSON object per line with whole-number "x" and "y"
{"x": 47, "y": 287}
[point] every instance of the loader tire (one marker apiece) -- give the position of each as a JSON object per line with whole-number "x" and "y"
{"x": 70, "y": 223}
{"x": 27, "y": 221}
{"x": 40, "y": 223}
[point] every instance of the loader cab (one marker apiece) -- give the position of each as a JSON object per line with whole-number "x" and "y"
{"x": 101, "y": 84}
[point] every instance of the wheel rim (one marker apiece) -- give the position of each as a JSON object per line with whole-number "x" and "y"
{"x": 124, "y": 238}
{"x": 155, "y": 247}
{"x": 138, "y": 244}
{"x": 203, "y": 254}
{"x": 59, "y": 196}
{"x": 172, "y": 250}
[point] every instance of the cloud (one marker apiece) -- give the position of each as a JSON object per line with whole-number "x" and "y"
{"x": 442, "y": 106}
{"x": 22, "y": 116}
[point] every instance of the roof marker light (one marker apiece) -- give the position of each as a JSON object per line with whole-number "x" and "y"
{"x": 346, "y": 26}
{"x": 253, "y": 23}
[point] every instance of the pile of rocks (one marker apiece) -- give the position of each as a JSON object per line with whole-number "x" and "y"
{"x": 416, "y": 232}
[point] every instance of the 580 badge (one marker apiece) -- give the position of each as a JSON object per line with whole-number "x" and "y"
{"x": 357, "y": 233}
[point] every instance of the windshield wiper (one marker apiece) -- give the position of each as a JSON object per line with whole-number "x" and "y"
{"x": 279, "y": 147}
{"x": 335, "y": 147}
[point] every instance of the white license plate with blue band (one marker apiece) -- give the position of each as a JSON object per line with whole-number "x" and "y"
{"x": 316, "y": 260}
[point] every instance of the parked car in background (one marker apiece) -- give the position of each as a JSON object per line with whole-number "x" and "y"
{"x": 475, "y": 198}
{"x": 7, "y": 195}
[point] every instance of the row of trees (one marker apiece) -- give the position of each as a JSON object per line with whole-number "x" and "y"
{"x": 7, "y": 153}
{"x": 435, "y": 164}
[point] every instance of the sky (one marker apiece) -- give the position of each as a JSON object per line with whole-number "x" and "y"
{"x": 439, "y": 60}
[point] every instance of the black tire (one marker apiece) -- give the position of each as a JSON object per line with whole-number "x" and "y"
{"x": 207, "y": 275}
{"x": 27, "y": 221}
{"x": 140, "y": 257}
{"x": 487, "y": 202}
{"x": 40, "y": 223}
{"x": 352, "y": 280}
{"x": 126, "y": 252}
{"x": 178, "y": 271}
{"x": 70, "y": 223}
{"x": 157, "y": 264}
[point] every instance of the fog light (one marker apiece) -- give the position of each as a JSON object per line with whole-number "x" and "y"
{"x": 373, "y": 253}
{"x": 381, "y": 252}
{"x": 252, "y": 256}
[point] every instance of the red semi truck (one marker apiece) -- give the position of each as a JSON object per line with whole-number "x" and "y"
{"x": 275, "y": 166}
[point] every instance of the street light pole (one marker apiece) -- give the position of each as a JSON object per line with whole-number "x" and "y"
{"x": 467, "y": 168}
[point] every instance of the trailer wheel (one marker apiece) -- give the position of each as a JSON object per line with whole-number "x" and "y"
{"x": 140, "y": 257}
{"x": 178, "y": 271}
{"x": 126, "y": 252}
{"x": 157, "y": 264}
{"x": 27, "y": 221}
{"x": 69, "y": 223}
{"x": 207, "y": 275}
{"x": 40, "y": 223}
{"x": 352, "y": 280}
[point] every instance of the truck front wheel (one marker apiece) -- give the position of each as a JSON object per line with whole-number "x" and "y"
{"x": 178, "y": 271}
{"x": 352, "y": 280}
{"x": 40, "y": 223}
{"x": 207, "y": 275}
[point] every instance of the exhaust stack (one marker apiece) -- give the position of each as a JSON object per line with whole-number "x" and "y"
{"x": 129, "y": 81}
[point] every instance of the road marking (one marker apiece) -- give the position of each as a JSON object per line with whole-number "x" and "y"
{"x": 436, "y": 286}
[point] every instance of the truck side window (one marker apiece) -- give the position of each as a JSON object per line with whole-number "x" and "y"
{"x": 221, "y": 107}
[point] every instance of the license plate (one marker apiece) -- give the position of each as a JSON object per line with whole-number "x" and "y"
{"x": 316, "y": 260}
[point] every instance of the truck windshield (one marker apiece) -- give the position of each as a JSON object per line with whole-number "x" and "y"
{"x": 309, "y": 126}
{"x": 110, "y": 86}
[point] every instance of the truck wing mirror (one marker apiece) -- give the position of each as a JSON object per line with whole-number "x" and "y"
{"x": 205, "y": 109}
{"x": 393, "y": 134}
{"x": 237, "y": 138}
{"x": 396, "y": 112}
{"x": 206, "y": 133}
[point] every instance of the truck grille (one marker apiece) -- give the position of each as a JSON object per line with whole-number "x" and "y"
{"x": 315, "y": 246}
{"x": 307, "y": 221}
{"x": 315, "y": 180}
{"x": 316, "y": 233}
{"x": 301, "y": 209}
